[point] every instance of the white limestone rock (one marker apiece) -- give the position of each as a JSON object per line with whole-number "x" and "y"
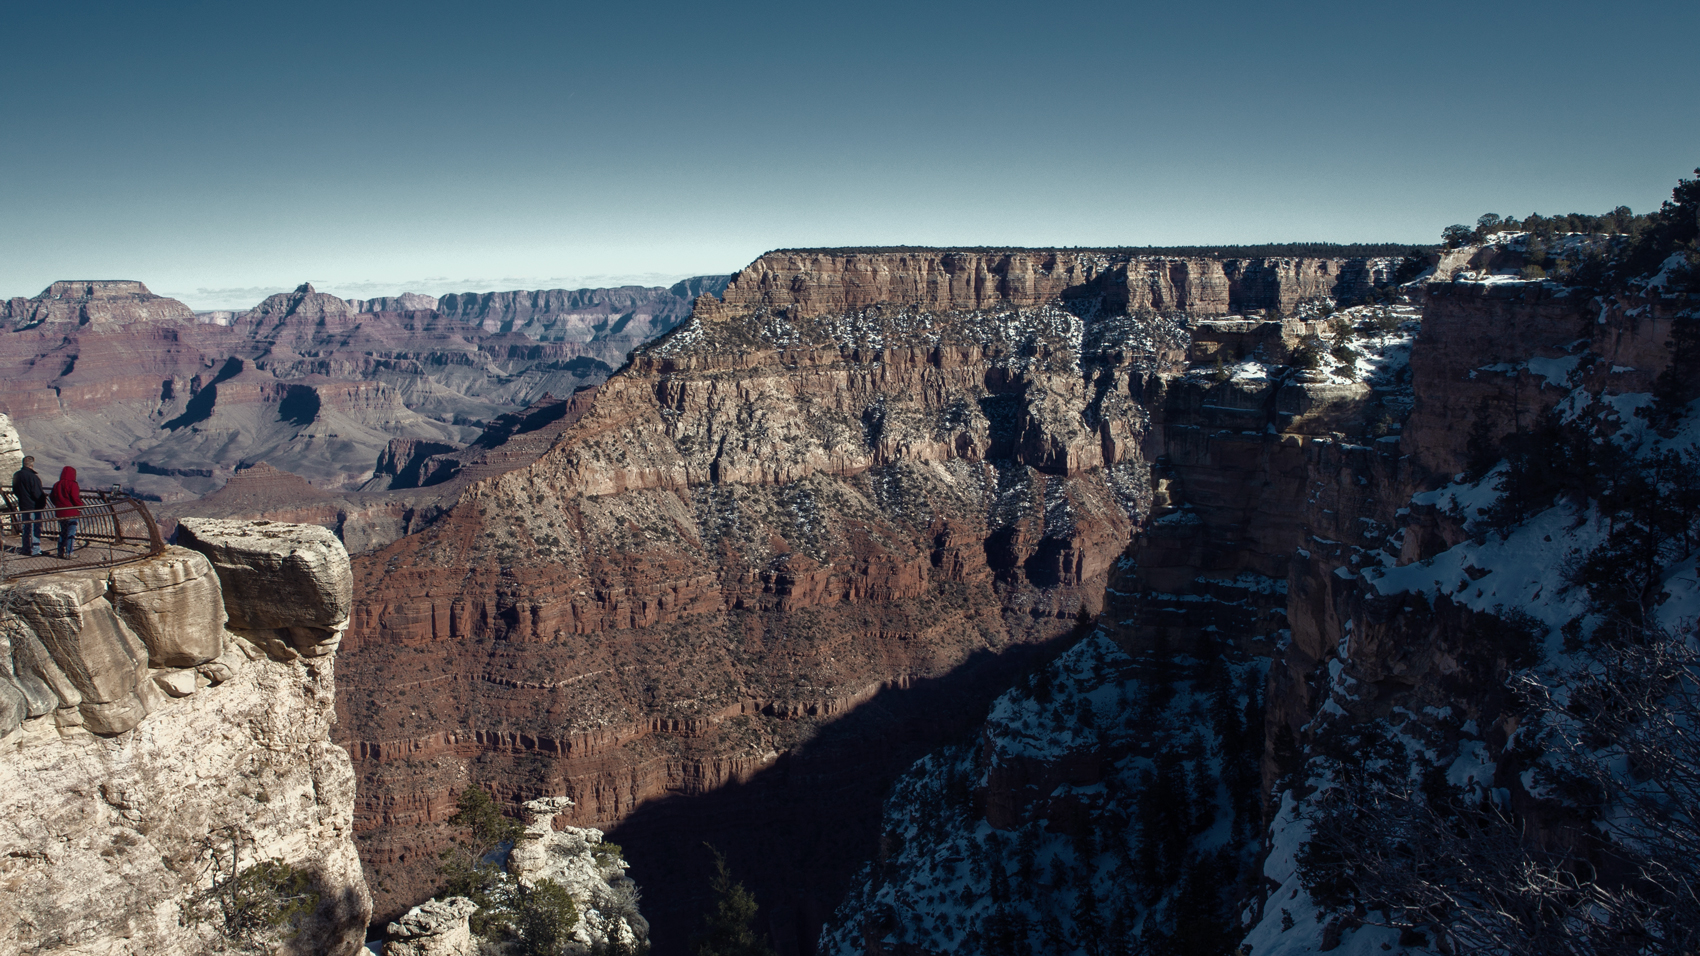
{"x": 11, "y": 450}
{"x": 576, "y": 859}
{"x": 13, "y": 707}
{"x": 594, "y": 875}
{"x": 175, "y": 605}
{"x": 275, "y": 575}
{"x": 106, "y": 838}
{"x": 177, "y": 683}
{"x": 35, "y": 672}
{"x": 101, "y": 656}
{"x": 17, "y": 666}
{"x": 434, "y": 928}
{"x": 103, "y": 840}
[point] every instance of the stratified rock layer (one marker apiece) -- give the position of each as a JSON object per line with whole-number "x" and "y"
{"x": 132, "y": 387}
{"x": 275, "y": 576}
{"x": 794, "y": 544}
{"x": 825, "y": 281}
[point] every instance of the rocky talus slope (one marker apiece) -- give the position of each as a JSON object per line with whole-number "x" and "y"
{"x": 168, "y": 720}
{"x": 798, "y": 541}
{"x": 134, "y": 388}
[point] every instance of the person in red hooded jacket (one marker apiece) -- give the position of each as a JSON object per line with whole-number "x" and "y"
{"x": 67, "y": 499}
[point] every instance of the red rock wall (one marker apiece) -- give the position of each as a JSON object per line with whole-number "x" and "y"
{"x": 823, "y": 282}
{"x": 735, "y": 548}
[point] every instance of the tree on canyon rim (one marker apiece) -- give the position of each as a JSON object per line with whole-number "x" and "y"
{"x": 532, "y": 920}
{"x": 256, "y": 907}
{"x": 467, "y": 868}
{"x": 726, "y": 928}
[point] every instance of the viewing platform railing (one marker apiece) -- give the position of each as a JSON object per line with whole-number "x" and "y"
{"x": 113, "y": 529}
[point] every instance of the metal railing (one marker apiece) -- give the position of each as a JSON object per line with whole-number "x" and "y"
{"x": 113, "y": 529}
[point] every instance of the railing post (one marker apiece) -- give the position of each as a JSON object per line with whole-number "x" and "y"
{"x": 156, "y": 544}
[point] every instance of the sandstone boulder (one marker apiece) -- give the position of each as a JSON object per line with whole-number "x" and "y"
{"x": 434, "y": 928}
{"x": 102, "y": 657}
{"x": 174, "y": 603}
{"x": 177, "y": 683}
{"x": 227, "y": 665}
{"x": 275, "y": 576}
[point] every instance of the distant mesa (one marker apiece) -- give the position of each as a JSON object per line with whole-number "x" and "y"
{"x": 92, "y": 301}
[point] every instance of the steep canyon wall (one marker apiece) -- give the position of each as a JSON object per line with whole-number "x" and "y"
{"x": 859, "y": 492}
{"x": 1316, "y": 589}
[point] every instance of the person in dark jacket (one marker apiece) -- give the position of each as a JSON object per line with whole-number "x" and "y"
{"x": 67, "y": 501}
{"x": 26, "y": 487}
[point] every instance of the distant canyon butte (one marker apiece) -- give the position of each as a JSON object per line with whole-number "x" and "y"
{"x": 136, "y": 389}
{"x": 732, "y": 588}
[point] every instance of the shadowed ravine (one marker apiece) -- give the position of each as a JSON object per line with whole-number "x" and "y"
{"x": 796, "y": 832}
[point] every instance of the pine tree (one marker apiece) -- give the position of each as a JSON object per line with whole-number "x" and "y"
{"x": 727, "y": 930}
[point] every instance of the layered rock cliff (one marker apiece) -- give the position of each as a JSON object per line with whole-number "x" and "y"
{"x": 166, "y": 730}
{"x": 818, "y": 282}
{"x": 131, "y": 387}
{"x": 101, "y": 303}
{"x": 1114, "y": 795}
{"x": 863, "y": 484}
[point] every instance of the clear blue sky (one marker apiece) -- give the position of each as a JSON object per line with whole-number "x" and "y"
{"x": 220, "y": 150}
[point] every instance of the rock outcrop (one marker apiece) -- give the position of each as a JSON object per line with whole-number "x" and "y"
{"x": 11, "y": 451}
{"x": 591, "y": 871}
{"x": 434, "y": 928}
{"x": 157, "y": 749}
{"x": 290, "y": 582}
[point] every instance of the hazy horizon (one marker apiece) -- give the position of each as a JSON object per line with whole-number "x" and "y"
{"x": 217, "y": 151}
{"x": 245, "y": 297}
